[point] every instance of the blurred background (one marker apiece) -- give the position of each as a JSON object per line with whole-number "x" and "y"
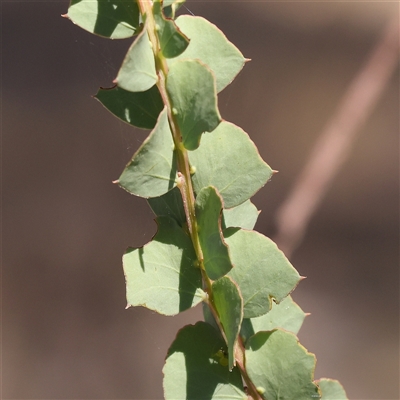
{"x": 65, "y": 332}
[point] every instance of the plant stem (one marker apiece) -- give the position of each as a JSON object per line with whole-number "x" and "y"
{"x": 184, "y": 180}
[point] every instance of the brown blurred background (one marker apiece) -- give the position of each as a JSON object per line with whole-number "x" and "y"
{"x": 65, "y": 332}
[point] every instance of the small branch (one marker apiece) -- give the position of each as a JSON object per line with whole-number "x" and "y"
{"x": 240, "y": 362}
{"x": 335, "y": 142}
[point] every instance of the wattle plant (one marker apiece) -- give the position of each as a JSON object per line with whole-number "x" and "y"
{"x": 198, "y": 173}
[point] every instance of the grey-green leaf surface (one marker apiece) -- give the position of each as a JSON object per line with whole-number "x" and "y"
{"x": 152, "y": 170}
{"x": 167, "y": 3}
{"x": 331, "y": 389}
{"x": 191, "y": 87}
{"x": 170, "y": 205}
{"x": 210, "y": 45}
{"x": 138, "y": 70}
{"x": 286, "y": 315}
{"x": 215, "y": 252}
{"x": 229, "y": 305}
{"x": 228, "y": 148}
{"x": 280, "y": 367}
{"x": 196, "y": 367}
{"x": 114, "y": 19}
{"x": 242, "y": 216}
{"x": 260, "y": 269}
{"x": 172, "y": 41}
{"x": 140, "y": 109}
{"x": 162, "y": 275}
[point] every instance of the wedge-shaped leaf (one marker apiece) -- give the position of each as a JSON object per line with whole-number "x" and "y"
{"x": 229, "y": 305}
{"x": 215, "y": 252}
{"x": 286, "y": 315}
{"x": 139, "y": 109}
{"x": 114, "y": 19}
{"x": 162, "y": 275}
{"x": 331, "y": 389}
{"x": 172, "y": 41}
{"x": 196, "y": 367}
{"x": 210, "y": 45}
{"x": 191, "y": 87}
{"x": 242, "y": 216}
{"x": 228, "y": 148}
{"x": 260, "y": 269}
{"x": 170, "y": 205}
{"x": 280, "y": 367}
{"x": 138, "y": 71}
{"x": 152, "y": 170}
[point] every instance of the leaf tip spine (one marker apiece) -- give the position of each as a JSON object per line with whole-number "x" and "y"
{"x": 246, "y": 60}
{"x": 302, "y": 278}
{"x": 116, "y": 182}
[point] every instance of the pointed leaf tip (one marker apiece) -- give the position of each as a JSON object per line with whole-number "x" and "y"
{"x": 228, "y": 148}
{"x": 261, "y": 270}
{"x": 222, "y": 57}
{"x": 286, "y": 315}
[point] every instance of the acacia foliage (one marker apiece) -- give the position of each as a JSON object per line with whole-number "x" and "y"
{"x": 198, "y": 173}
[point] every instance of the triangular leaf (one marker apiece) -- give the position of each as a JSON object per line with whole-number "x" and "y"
{"x": 215, "y": 252}
{"x": 229, "y": 149}
{"x": 286, "y": 315}
{"x": 229, "y": 305}
{"x": 331, "y": 389}
{"x": 196, "y": 367}
{"x": 138, "y": 71}
{"x": 114, "y": 19}
{"x": 280, "y": 367}
{"x": 139, "y": 109}
{"x": 152, "y": 170}
{"x": 170, "y": 205}
{"x": 210, "y": 46}
{"x": 191, "y": 87}
{"x": 172, "y": 41}
{"x": 242, "y": 216}
{"x": 162, "y": 275}
{"x": 260, "y": 269}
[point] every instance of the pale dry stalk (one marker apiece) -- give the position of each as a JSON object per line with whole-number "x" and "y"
{"x": 336, "y": 140}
